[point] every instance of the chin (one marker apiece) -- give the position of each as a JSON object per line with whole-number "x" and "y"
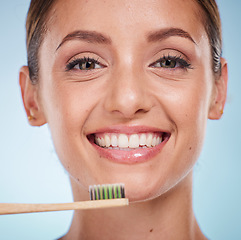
{"x": 145, "y": 189}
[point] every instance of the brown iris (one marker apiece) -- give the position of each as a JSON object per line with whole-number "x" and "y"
{"x": 87, "y": 65}
{"x": 167, "y": 63}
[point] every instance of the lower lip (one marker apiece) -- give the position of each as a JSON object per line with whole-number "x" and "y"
{"x": 139, "y": 155}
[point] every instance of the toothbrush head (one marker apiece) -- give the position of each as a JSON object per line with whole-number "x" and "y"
{"x": 107, "y": 191}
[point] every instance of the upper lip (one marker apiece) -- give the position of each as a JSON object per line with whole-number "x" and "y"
{"x": 128, "y": 129}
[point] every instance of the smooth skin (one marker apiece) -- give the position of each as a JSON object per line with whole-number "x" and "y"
{"x": 128, "y": 90}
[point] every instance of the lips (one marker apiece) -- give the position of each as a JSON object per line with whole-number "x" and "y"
{"x": 128, "y": 145}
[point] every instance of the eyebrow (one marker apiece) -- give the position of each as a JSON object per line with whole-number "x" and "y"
{"x": 166, "y": 33}
{"x": 87, "y": 36}
{"x": 99, "y": 38}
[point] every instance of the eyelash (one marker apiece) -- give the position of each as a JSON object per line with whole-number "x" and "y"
{"x": 80, "y": 61}
{"x": 177, "y": 60}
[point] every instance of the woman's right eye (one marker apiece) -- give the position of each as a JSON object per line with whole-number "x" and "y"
{"x": 84, "y": 64}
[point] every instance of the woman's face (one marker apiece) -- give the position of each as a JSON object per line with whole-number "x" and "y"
{"x": 126, "y": 88}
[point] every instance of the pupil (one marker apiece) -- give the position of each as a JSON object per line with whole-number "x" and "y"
{"x": 88, "y": 64}
{"x": 170, "y": 63}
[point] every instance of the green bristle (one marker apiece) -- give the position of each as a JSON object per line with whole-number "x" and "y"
{"x": 105, "y": 193}
{"x": 101, "y": 192}
{"x": 119, "y": 191}
{"x": 110, "y": 192}
{"x": 115, "y": 191}
{"x": 96, "y": 193}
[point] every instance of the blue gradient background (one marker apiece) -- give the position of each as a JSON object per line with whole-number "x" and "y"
{"x": 31, "y": 172}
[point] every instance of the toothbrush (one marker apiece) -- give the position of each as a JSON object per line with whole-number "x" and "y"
{"x": 102, "y": 196}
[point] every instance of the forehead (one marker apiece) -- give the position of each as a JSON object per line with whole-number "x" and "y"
{"x": 124, "y": 16}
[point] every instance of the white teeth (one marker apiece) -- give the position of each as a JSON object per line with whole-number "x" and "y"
{"x": 149, "y": 140}
{"x": 134, "y": 141}
{"x": 114, "y": 140}
{"x": 153, "y": 143}
{"x": 123, "y": 141}
{"x": 107, "y": 141}
{"x": 102, "y": 142}
{"x": 159, "y": 140}
{"x": 143, "y": 139}
{"x": 98, "y": 141}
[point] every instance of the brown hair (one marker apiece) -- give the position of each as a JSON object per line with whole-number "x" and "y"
{"x": 213, "y": 27}
{"x": 36, "y": 27}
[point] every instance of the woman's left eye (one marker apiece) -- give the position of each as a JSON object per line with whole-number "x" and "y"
{"x": 171, "y": 63}
{"x": 84, "y": 64}
{"x": 166, "y": 63}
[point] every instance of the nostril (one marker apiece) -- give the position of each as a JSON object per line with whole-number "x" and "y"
{"x": 141, "y": 111}
{"x": 129, "y": 111}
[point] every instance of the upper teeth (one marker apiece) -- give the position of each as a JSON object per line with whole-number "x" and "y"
{"x": 128, "y": 141}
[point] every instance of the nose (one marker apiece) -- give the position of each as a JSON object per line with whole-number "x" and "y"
{"x": 127, "y": 93}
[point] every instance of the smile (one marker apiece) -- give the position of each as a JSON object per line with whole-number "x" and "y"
{"x": 128, "y": 142}
{"x": 128, "y": 147}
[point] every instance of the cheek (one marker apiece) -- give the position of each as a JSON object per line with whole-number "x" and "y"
{"x": 187, "y": 107}
{"x": 68, "y": 108}
{"x": 69, "y": 104}
{"x": 189, "y": 104}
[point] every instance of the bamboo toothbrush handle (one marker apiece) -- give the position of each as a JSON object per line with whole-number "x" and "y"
{"x": 13, "y": 208}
